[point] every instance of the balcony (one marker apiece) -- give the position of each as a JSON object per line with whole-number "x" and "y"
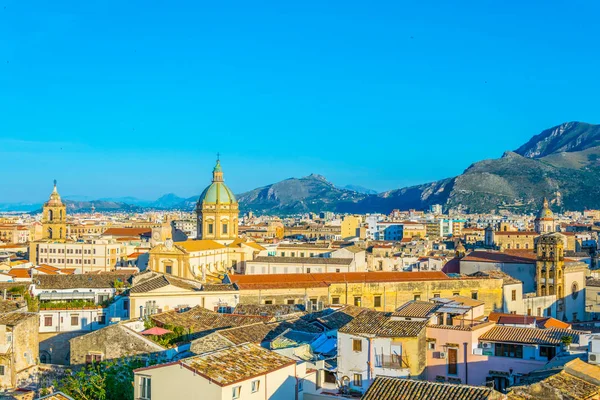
{"x": 390, "y": 362}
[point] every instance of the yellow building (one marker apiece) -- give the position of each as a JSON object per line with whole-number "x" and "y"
{"x": 382, "y": 291}
{"x": 217, "y": 210}
{"x": 54, "y": 217}
{"x": 351, "y": 225}
{"x": 204, "y": 260}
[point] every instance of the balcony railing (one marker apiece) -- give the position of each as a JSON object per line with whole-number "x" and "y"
{"x": 390, "y": 361}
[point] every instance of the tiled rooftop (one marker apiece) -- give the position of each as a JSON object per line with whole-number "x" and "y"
{"x": 525, "y": 257}
{"x": 16, "y": 317}
{"x": 512, "y": 334}
{"x": 201, "y": 320}
{"x": 301, "y": 260}
{"x": 157, "y": 281}
{"x": 86, "y": 281}
{"x": 382, "y": 324}
{"x": 235, "y": 364}
{"x": 416, "y": 309}
{"x": 248, "y": 282}
{"x": 386, "y": 388}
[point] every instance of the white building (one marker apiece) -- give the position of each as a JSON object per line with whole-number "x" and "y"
{"x": 377, "y": 343}
{"x": 101, "y": 254}
{"x": 236, "y": 373}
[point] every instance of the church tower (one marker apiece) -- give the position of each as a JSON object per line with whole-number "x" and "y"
{"x": 544, "y": 222}
{"x": 54, "y": 217}
{"x": 550, "y": 265}
{"x": 217, "y": 210}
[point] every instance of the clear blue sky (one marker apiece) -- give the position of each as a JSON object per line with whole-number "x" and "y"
{"x": 134, "y": 98}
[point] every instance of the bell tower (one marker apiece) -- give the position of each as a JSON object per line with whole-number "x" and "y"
{"x": 550, "y": 265}
{"x": 54, "y": 217}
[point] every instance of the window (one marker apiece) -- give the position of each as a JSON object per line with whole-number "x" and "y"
{"x": 474, "y": 295}
{"x": 356, "y": 345}
{"x": 48, "y": 320}
{"x": 290, "y": 301}
{"x": 452, "y": 361}
{"x": 431, "y": 345}
{"x": 335, "y": 300}
{"x": 236, "y": 392}
{"x": 357, "y": 301}
{"x": 529, "y": 311}
{"x": 377, "y": 301}
{"x": 417, "y": 297}
{"x": 514, "y": 295}
{"x": 574, "y": 290}
{"x": 436, "y": 295}
{"x": 358, "y": 380}
{"x": 102, "y": 319}
{"x": 337, "y": 270}
{"x": 93, "y": 358}
{"x": 508, "y": 350}
{"x": 255, "y": 386}
{"x": 300, "y": 385}
{"x": 308, "y": 270}
{"x": 145, "y": 388}
{"x": 548, "y": 352}
{"x": 210, "y": 229}
{"x": 456, "y": 294}
{"x": 1, "y": 369}
{"x": 268, "y": 301}
{"x": 169, "y": 269}
{"x": 539, "y": 312}
{"x": 74, "y": 320}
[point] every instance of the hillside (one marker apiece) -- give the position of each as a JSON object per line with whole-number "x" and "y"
{"x": 295, "y": 195}
{"x": 561, "y": 163}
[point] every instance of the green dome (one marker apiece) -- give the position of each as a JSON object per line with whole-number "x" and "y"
{"x": 217, "y": 193}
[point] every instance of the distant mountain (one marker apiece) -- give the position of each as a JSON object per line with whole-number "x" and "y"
{"x": 359, "y": 189}
{"x": 297, "y": 195}
{"x": 169, "y": 200}
{"x": 561, "y": 163}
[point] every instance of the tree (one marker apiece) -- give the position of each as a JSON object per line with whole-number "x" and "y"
{"x": 108, "y": 380}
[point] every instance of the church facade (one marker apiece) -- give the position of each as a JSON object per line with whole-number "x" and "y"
{"x": 217, "y": 250}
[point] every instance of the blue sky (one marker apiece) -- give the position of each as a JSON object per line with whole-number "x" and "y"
{"x": 135, "y": 98}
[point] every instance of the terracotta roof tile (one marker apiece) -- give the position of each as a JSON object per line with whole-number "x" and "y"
{"x": 512, "y": 334}
{"x": 235, "y": 364}
{"x": 382, "y": 324}
{"x": 501, "y": 257}
{"x": 416, "y": 309}
{"x": 387, "y": 388}
{"x": 326, "y": 279}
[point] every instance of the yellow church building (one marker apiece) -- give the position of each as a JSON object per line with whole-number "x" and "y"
{"x": 217, "y": 250}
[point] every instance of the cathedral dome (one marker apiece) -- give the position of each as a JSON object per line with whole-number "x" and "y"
{"x": 217, "y": 192}
{"x": 545, "y": 212}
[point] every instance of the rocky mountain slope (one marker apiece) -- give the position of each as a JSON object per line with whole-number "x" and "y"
{"x": 561, "y": 163}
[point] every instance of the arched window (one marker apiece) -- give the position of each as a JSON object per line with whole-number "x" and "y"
{"x": 50, "y": 233}
{"x": 574, "y": 290}
{"x": 50, "y": 215}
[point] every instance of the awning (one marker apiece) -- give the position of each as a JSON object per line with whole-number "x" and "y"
{"x": 68, "y": 296}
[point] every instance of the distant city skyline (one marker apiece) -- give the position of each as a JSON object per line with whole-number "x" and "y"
{"x": 136, "y": 99}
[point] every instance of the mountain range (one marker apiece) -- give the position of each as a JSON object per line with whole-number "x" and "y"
{"x": 561, "y": 163}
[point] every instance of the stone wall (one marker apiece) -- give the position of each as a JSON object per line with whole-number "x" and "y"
{"x": 112, "y": 342}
